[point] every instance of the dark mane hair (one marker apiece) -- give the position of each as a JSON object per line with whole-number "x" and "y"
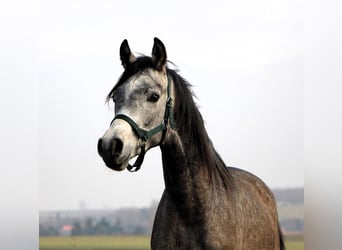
{"x": 188, "y": 119}
{"x": 190, "y": 123}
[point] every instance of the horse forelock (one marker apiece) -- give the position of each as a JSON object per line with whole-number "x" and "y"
{"x": 141, "y": 63}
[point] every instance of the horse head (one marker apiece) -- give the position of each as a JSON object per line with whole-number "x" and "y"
{"x": 143, "y": 105}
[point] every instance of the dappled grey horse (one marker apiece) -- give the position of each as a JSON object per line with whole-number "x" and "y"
{"x": 205, "y": 205}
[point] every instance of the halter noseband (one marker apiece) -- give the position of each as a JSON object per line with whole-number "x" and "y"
{"x": 144, "y": 135}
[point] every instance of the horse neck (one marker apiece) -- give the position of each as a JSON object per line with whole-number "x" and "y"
{"x": 188, "y": 180}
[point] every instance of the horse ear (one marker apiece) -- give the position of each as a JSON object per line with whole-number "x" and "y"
{"x": 126, "y": 55}
{"x": 159, "y": 54}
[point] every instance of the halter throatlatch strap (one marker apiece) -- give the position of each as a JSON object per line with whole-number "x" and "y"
{"x": 144, "y": 135}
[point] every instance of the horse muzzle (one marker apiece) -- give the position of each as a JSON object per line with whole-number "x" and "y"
{"x": 112, "y": 153}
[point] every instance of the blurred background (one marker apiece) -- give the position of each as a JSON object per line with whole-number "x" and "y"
{"x": 247, "y": 62}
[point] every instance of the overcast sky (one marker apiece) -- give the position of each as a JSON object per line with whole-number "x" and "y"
{"x": 244, "y": 59}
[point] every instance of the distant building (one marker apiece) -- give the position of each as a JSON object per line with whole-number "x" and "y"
{"x": 65, "y": 230}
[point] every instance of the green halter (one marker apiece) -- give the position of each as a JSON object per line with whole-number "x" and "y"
{"x": 144, "y": 135}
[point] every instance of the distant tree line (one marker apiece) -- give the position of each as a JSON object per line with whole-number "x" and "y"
{"x": 139, "y": 221}
{"x": 128, "y": 221}
{"x": 101, "y": 227}
{"x": 292, "y": 224}
{"x": 92, "y": 227}
{"x": 289, "y": 195}
{"x": 48, "y": 230}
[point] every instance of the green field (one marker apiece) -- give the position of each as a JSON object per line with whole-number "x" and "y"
{"x": 95, "y": 243}
{"x": 123, "y": 243}
{"x": 294, "y": 242}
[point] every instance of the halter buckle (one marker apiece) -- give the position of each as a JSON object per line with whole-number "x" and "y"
{"x": 142, "y": 142}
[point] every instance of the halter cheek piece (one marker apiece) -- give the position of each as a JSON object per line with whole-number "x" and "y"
{"x": 144, "y": 135}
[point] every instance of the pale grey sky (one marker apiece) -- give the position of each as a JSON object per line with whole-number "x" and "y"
{"x": 245, "y": 60}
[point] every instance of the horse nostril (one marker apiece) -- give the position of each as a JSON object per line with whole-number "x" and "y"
{"x": 117, "y": 147}
{"x": 109, "y": 149}
{"x": 99, "y": 147}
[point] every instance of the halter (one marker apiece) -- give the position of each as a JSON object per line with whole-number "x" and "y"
{"x": 143, "y": 135}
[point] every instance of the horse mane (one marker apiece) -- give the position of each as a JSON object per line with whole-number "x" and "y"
{"x": 188, "y": 119}
{"x": 189, "y": 122}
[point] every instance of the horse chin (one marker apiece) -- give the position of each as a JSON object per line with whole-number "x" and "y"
{"x": 117, "y": 167}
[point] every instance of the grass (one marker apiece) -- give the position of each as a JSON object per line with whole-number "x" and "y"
{"x": 95, "y": 243}
{"x": 293, "y": 242}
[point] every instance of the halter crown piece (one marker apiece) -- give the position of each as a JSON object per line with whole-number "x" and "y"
{"x": 144, "y": 135}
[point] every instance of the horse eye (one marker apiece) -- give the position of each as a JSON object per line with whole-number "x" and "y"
{"x": 153, "y": 98}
